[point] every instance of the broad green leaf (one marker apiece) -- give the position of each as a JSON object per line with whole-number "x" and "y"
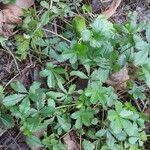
{"x": 79, "y": 74}
{"x": 6, "y": 121}
{"x": 51, "y": 81}
{"x": 133, "y": 140}
{"x": 146, "y": 71}
{"x": 103, "y": 26}
{"x": 45, "y": 18}
{"x": 116, "y": 126}
{"x": 141, "y": 57}
{"x": 34, "y": 142}
{"x": 79, "y": 24}
{"x": 13, "y": 99}
{"x": 126, "y": 113}
{"x": 63, "y": 123}
{"x": 86, "y": 35}
{"x": 148, "y": 32}
{"x": 100, "y": 133}
{"x": 87, "y": 117}
{"x": 47, "y": 111}
{"x": 18, "y": 87}
{"x": 24, "y": 107}
{"x": 59, "y": 146}
{"x": 118, "y": 106}
{"x": 87, "y": 145}
{"x": 44, "y": 4}
{"x": 140, "y": 44}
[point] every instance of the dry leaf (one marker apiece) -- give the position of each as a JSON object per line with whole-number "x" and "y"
{"x": 112, "y": 9}
{"x": 11, "y": 14}
{"x": 71, "y": 142}
{"x": 118, "y": 80}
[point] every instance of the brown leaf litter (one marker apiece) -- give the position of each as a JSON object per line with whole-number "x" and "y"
{"x": 11, "y": 14}
{"x": 118, "y": 80}
{"x": 71, "y": 142}
{"x": 112, "y": 9}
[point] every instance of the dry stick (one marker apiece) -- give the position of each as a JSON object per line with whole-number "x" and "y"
{"x": 16, "y": 76}
{"x": 9, "y": 52}
{"x": 11, "y": 80}
{"x": 57, "y": 35}
{"x": 14, "y": 140}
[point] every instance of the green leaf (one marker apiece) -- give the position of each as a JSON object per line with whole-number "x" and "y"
{"x": 6, "y": 121}
{"x": 86, "y": 35}
{"x": 146, "y": 71}
{"x": 13, "y": 99}
{"x": 34, "y": 142}
{"x": 87, "y": 117}
{"x": 79, "y": 24}
{"x": 100, "y": 133}
{"x": 45, "y": 18}
{"x": 133, "y": 140}
{"x": 126, "y": 113}
{"x": 87, "y": 145}
{"x": 141, "y": 57}
{"x": 140, "y": 44}
{"x": 103, "y": 26}
{"x": 79, "y": 74}
{"x": 44, "y": 4}
{"x": 63, "y": 123}
{"x": 18, "y": 87}
{"x": 148, "y": 32}
{"x": 51, "y": 81}
{"x": 24, "y": 107}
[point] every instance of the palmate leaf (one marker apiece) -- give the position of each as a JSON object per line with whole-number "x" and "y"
{"x": 53, "y": 75}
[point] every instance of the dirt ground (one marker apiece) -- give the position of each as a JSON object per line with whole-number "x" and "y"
{"x": 13, "y": 139}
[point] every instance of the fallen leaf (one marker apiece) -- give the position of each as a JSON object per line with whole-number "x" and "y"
{"x": 71, "y": 142}
{"x": 12, "y": 14}
{"x": 112, "y": 9}
{"x": 118, "y": 80}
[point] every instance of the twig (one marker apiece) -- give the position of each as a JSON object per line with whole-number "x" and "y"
{"x": 9, "y": 52}
{"x": 58, "y": 35}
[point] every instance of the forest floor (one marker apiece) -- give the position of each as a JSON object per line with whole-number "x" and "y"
{"x": 13, "y": 139}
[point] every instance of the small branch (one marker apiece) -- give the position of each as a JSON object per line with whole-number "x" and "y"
{"x": 57, "y": 35}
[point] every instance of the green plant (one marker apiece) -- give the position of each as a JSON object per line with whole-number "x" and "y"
{"x": 7, "y": 1}
{"x": 94, "y": 112}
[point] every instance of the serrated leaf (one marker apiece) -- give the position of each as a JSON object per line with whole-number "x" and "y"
{"x": 45, "y": 18}
{"x": 125, "y": 113}
{"x": 79, "y": 24}
{"x": 148, "y": 32}
{"x": 64, "y": 124}
{"x": 146, "y": 71}
{"x": 79, "y": 74}
{"x": 51, "y": 81}
{"x": 87, "y": 145}
{"x": 13, "y": 99}
{"x": 141, "y": 57}
{"x": 133, "y": 140}
{"x": 86, "y": 35}
{"x": 100, "y": 133}
{"x": 24, "y": 107}
{"x": 18, "y": 87}
{"x": 6, "y": 121}
{"x": 34, "y": 142}
{"x": 44, "y": 4}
